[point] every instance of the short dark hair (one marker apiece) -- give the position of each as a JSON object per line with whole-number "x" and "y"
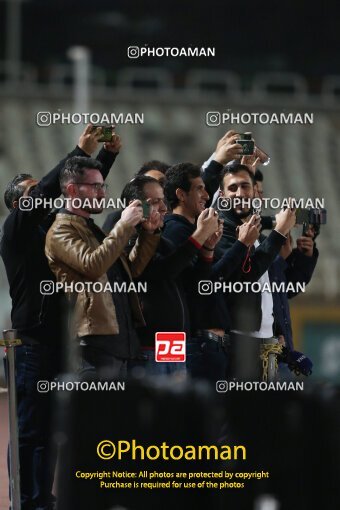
{"x": 153, "y": 165}
{"x": 258, "y": 176}
{"x": 75, "y": 168}
{"x": 179, "y": 176}
{"x": 134, "y": 190}
{"x": 235, "y": 168}
{"x": 14, "y": 190}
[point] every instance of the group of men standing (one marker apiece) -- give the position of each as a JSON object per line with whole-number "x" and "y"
{"x": 167, "y": 237}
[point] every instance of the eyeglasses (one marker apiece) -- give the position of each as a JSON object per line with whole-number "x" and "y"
{"x": 95, "y": 185}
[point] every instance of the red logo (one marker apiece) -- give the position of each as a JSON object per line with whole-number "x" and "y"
{"x": 170, "y": 347}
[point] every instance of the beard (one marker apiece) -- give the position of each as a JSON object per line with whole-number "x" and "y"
{"x": 93, "y": 210}
{"x": 241, "y": 213}
{"x": 92, "y": 205}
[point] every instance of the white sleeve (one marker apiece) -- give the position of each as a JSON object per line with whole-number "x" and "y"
{"x": 206, "y": 163}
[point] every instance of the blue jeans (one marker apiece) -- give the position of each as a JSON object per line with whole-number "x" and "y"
{"x": 150, "y": 367}
{"x": 206, "y": 359}
{"x": 37, "y": 454}
{"x": 285, "y": 374}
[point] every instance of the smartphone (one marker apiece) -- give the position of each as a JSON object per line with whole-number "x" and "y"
{"x": 146, "y": 209}
{"x": 106, "y": 133}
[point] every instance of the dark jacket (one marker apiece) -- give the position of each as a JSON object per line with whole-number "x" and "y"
{"x": 177, "y": 228}
{"x": 111, "y": 219}
{"x": 22, "y": 249}
{"x": 245, "y": 307}
{"x": 207, "y": 311}
{"x": 165, "y": 306}
{"x": 297, "y": 268}
{"x": 211, "y": 176}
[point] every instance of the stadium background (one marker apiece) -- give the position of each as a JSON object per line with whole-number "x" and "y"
{"x": 270, "y": 57}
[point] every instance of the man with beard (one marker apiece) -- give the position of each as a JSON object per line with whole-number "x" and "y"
{"x": 209, "y": 316}
{"x": 251, "y": 312}
{"x": 79, "y": 251}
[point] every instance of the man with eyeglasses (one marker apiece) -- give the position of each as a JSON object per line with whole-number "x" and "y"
{"x": 79, "y": 251}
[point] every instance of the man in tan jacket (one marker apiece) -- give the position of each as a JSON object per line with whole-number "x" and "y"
{"x": 79, "y": 252}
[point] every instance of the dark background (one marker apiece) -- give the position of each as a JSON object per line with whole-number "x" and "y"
{"x": 249, "y": 36}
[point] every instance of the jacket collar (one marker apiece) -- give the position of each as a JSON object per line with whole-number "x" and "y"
{"x": 177, "y": 217}
{"x": 64, "y": 213}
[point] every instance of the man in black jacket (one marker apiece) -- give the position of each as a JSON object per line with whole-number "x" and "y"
{"x": 164, "y": 305}
{"x": 187, "y": 197}
{"x": 290, "y": 266}
{"x": 251, "y": 312}
{"x": 37, "y": 317}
